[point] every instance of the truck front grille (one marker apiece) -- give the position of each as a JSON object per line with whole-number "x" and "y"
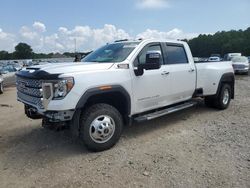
{"x": 239, "y": 66}
{"x": 29, "y": 91}
{"x": 30, "y": 100}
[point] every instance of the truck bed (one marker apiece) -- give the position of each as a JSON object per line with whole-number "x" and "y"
{"x": 209, "y": 74}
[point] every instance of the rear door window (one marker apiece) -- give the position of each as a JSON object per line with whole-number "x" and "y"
{"x": 175, "y": 54}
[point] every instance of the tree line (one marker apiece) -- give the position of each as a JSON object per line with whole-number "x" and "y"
{"x": 24, "y": 51}
{"x": 221, "y": 43}
{"x": 202, "y": 46}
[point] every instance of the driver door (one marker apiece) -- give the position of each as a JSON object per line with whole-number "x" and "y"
{"x": 149, "y": 88}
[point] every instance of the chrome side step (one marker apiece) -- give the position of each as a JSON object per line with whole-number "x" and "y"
{"x": 165, "y": 111}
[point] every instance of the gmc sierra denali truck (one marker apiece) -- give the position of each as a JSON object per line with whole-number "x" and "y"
{"x": 119, "y": 83}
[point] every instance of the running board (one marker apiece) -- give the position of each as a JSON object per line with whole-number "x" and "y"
{"x": 165, "y": 111}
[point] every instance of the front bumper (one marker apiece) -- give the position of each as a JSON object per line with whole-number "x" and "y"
{"x": 53, "y": 116}
{"x": 240, "y": 68}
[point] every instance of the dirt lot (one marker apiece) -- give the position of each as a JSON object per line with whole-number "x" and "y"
{"x": 198, "y": 147}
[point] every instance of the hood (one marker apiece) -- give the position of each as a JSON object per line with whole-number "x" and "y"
{"x": 52, "y": 71}
{"x": 59, "y": 68}
{"x": 240, "y": 63}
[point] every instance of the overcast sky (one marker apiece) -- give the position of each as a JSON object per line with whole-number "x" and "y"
{"x": 54, "y": 25}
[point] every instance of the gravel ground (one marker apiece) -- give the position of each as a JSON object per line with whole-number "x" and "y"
{"x": 198, "y": 147}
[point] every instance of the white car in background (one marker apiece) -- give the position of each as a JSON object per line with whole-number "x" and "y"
{"x": 229, "y": 56}
{"x": 214, "y": 59}
{"x": 240, "y": 64}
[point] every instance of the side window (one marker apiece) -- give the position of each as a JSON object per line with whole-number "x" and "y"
{"x": 141, "y": 58}
{"x": 176, "y": 54}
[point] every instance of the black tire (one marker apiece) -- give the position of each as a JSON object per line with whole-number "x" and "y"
{"x": 219, "y": 100}
{"x": 97, "y": 112}
{"x": 1, "y": 88}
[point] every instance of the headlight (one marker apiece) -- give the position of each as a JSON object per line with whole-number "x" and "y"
{"x": 59, "y": 88}
{"x": 62, "y": 87}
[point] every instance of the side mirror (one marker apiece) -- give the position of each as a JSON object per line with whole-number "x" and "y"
{"x": 153, "y": 59}
{"x": 152, "y": 62}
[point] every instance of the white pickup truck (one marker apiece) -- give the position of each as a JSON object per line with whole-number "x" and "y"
{"x": 119, "y": 83}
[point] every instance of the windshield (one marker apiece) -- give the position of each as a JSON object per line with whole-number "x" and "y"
{"x": 239, "y": 59}
{"x": 116, "y": 52}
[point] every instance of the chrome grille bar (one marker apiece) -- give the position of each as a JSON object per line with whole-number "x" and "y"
{"x": 29, "y": 91}
{"x": 33, "y": 101}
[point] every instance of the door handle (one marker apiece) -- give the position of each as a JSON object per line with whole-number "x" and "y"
{"x": 191, "y": 70}
{"x": 165, "y": 73}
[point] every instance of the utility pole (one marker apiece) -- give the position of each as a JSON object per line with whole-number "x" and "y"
{"x": 75, "y": 45}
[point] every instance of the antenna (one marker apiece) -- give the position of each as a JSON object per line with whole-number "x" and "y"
{"x": 122, "y": 40}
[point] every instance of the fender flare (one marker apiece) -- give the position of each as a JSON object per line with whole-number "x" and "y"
{"x": 98, "y": 91}
{"x": 75, "y": 122}
{"x": 228, "y": 78}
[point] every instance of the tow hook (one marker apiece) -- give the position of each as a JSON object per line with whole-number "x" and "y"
{"x": 32, "y": 113}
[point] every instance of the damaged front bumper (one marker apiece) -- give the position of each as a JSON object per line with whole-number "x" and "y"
{"x": 52, "y": 116}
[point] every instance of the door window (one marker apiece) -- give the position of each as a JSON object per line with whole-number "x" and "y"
{"x": 175, "y": 54}
{"x": 141, "y": 58}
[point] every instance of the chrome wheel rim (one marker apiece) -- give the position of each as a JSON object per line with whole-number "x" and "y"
{"x": 102, "y": 129}
{"x": 225, "y": 97}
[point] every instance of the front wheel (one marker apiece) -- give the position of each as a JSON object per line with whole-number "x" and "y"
{"x": 101, "y": 127}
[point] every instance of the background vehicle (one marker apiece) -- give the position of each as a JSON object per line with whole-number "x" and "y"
{"x": 215, "y": 55}
{"x": 119, "y": 83}
{"x": 9, "y": 68}
{"x": 240, "y": 64}
{"x": 8, "y": 74}
{"x": 196, "y": 59}
{"x": 229, "y": 56}
{"x": 214, "y": 58}
{"x": 17, "y": 67}
{"x": 27, "y": 63}
{"x": 8, "y": 71}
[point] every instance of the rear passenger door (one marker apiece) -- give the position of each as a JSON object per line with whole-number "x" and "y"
{"x": 182, "y": 75}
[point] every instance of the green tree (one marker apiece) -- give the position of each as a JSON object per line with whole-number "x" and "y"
{"x": 23, "y": 51}
{"x": 4, "y": 55}
{"x": 221, "y": 43}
